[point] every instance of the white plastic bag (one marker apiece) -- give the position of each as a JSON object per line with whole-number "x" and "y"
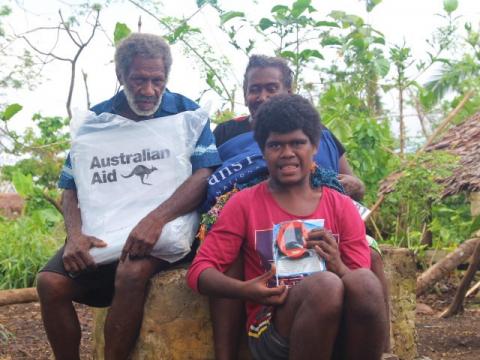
{"x": 124, "y": 169}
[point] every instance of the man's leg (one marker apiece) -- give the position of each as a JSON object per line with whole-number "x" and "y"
{"x": 228, "y": 318}
{"x": 126, "y": 312}
{"x": 56, "y": 293}
{"x": 377, "y": 269}
{"x": 311, "y": 316}
{"x": 364, "y": 316}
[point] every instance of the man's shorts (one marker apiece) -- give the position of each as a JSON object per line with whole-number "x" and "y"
{"x": 98, "y": 284}
{"x": 265, "y": 342}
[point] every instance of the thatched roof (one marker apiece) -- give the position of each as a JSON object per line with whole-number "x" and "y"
{"x": 462, "y": 140}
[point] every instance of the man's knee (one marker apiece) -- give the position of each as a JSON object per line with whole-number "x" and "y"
{"x": 364, "y": 293}
{"x": 134, "y": 275}
{"x": 53, "y": 287}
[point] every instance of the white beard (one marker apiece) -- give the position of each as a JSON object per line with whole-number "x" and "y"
{"x": 131, "y": 102}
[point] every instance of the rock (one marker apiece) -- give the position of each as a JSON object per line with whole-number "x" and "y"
{"x": 400, "y": 270}
{"x": 424, "y": 309}
{"x": 176, "y": 324}
{"x": 389, "y": 357}
{"x": 11, "y": 205}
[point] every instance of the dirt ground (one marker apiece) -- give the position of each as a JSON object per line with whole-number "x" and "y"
{"x": 22, "y": 335}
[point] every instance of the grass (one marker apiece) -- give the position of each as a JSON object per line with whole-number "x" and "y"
{"x": 26, "y": 244}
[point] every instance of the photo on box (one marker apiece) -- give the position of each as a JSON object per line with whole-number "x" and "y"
{"x": 292, "y": 259}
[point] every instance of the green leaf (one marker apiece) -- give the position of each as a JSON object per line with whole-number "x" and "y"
{"x": 382, "y": 66}
{"x": 229, "y": 15}
{"x": 200, "y": 3}
{"x": 327, "y": 23}
{"x": 279, "y": 9}
{"x": 450, "y": 5}
{"x": 10, "y": 111}
{"x": 372, "y": 3}
{"x": 299, "y": 7}
{"x": 337, "y": 14}
{"x": 23, "y": 183}
{"x": 378, "y": 40}
{"x": 121, "y": 32}
{"x": 308, "y": 53}
{"x": 5, "y": 11}
{"x": 331, "y": 40}
{"x": 288, "y": 55}
{"x": 265, "y": 23}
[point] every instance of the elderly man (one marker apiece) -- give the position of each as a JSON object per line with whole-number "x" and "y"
{"x": 142, "y": 64}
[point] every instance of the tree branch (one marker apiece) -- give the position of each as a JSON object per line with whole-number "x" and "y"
{"x": 192, "y": 49}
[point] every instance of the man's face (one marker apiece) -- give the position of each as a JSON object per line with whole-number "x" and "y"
{"x": 262, "y": 84}
{"x": 289, "y": 157}
{"x": 144, "y": 85}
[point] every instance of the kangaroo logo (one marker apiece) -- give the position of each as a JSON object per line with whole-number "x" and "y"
{"x": 141, "y": 171}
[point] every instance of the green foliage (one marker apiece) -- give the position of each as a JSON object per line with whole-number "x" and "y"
{"x": 340, "y": 108}
{"x": 371, "y": 4}
{"x": 370, "y": 155}
{"x": 121, "y": 32}
{"x": 452, "y": 221}
{"x": 200, "y": 3}
{"x": 450, "y": 5}
{"x": 229, "y": 15}
{"x": 41, "y": 148}
{"x": 416, "y": 205}
{"x": 10, "y": 111}
{"x": 27, "y": 243}
{"x": 222, "y": 116}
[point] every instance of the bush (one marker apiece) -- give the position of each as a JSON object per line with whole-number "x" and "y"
{"x": 417, "y": 205}
{"x": 26, "y": 244}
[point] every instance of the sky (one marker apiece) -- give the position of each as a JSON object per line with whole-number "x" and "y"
{"x": 409, "y": 21}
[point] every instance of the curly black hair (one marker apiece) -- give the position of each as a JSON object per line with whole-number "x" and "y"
{"x": 286, "y": 113}
{"x": 262, "y": 61}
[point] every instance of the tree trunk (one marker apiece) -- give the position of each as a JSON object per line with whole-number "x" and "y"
{"x": 457, "y": 304}
{"x": 445, "y": 266}
{"x": 427, "y": 236}
{"x": 17, "y": 296}
{"x": 401, "y": 121}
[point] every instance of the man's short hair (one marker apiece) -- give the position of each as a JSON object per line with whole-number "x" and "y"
{"x": 286, "y": 113}
{"x": 262, "y": 61}
{"x": 148, "y": 46}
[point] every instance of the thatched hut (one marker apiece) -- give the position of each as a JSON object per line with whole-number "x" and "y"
{"x": 462, "y": 140}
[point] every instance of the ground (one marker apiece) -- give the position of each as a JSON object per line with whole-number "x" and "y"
{"x": 457, "y": 337}
{"x": 22, "y": 335}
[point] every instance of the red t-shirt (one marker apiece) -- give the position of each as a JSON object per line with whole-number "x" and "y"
{"x": 255, "y": 209}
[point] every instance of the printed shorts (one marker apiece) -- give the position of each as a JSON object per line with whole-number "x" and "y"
{"x": 264, "y": 341}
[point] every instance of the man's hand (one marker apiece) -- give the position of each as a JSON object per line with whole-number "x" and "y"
{"x": 326, "y": 246}
{"x": 76, "y": 257}
{"x": 143, "y": 237}
{"x": 256, "y": 290}
{"x": 353, "y": 186}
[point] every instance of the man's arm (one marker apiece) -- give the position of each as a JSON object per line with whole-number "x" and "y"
{"x": 185, "y": 199}
{"x": 76, "y": 257}
{"x": 353, "y": 186}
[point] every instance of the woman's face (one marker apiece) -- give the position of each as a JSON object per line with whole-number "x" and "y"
{"x": 289, "y": 157}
